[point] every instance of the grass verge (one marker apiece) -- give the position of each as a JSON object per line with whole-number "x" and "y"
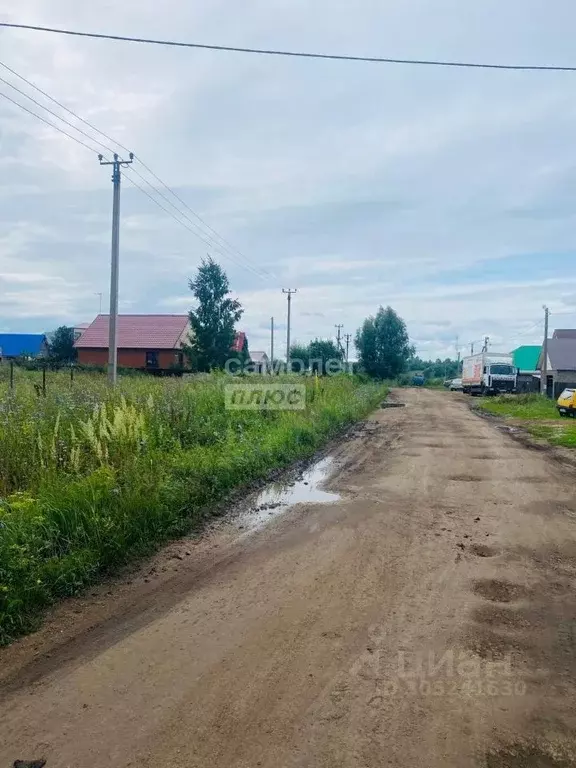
{"x": 536, "y": 414}
{"x": 90, "y": 478}
{"x": 520, "y": 406}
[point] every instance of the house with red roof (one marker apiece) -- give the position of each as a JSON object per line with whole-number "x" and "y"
{"x": 148, "y": 342}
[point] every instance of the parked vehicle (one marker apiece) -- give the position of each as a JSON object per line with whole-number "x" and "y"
{"x": 418, "y": 380}
{"x": 566, "y": 403}
{"x": 489, "y": 373}
{"x": 455, "y": 385}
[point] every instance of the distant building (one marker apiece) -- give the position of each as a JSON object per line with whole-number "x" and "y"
{"x": 152, "y": 343}
{"x": 27, "y": 345}
{"x": 146, "y": 342}
{"x": 561, "y": 363}
{"x": 259, "y": 362}
{"x": 525, "y": 358}
{"x": 240, "y": 342}
{"x": 79, "y": 330}
{"x": 564, "y": 333}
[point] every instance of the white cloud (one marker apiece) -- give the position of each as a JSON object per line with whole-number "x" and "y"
{"x": 445, "y": 193}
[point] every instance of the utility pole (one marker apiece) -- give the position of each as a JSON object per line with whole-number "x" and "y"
{"x": 288, "y": 292}
{"x": 99, "y": 294}
{"x": 117, "y": 164}
{"x": 347, "y": 336}
{"x": 338, "y": 342}
{"x": 271, "y": 345}
{"x": 471, "y": 347}
{"x": 544, "y": 373}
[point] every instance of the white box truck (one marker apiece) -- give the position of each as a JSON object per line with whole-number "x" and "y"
{"x": 489, "y": 373}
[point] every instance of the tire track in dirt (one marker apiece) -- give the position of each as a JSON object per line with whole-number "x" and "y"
{"x": 426, "y": 619}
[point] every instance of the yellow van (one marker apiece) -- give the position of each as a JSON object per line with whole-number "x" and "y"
{"x": 566, "y": 403}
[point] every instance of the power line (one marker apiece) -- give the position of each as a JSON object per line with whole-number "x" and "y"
{"x": 154, "y": 200}
{"x": 199, "y": 218}
{"x": 227, "y": 246}
{"x": 56, "y": 128}
{"x": 562, "y": 314}
{"x": 56, "y": 115}
{"x": 63, "y": 106}
{"x": 296, "y": 54}
{"x": 209, "y": 243}
{"x": 527, "y": 331}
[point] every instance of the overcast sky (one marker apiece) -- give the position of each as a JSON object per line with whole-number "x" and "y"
{"x": 448, "y": 194}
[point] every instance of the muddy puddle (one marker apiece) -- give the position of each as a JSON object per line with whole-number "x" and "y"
{"x": 278, "y": 497}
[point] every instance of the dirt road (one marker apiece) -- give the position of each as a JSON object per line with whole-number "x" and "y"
{"x": 428, "y": 618}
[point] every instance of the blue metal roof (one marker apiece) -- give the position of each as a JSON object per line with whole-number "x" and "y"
{"x": 16, "y": 344}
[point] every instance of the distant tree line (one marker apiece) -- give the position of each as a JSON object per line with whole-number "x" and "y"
{"x": 434, "y": 369}
{"x": 382, "y": 342}
{"x": 321, "y": 356}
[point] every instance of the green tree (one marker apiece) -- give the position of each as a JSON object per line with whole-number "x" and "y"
{"x": 62, "y": 348}
{"x": 383, "y": 345}
{"x": 212, "y": 322}
{"x": 322, "y": 351}
{"x": 438, "y": 369}
{"x": 299, "y": 357}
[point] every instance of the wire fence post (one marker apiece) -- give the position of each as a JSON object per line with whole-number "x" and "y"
{"x": 71, "y": 374}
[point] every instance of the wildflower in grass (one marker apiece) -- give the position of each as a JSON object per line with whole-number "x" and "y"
{"x": 90, "y": 476}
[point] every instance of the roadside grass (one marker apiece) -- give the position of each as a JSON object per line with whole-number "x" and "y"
{"x": 91, "y": 477}
{"x": 529, "y": 406}
{"x": 534, "y": 413}
{"x": 563, "y": 434}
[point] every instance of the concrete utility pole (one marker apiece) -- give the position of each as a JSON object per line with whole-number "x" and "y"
{"x": 288, "y": 292}
{"x": 544, "y": 373}
{"x": 347, "y": 336}
{"x": 338, "y": 342}
{"x": 117, "y": 164}
{"x": 271, "y": 345}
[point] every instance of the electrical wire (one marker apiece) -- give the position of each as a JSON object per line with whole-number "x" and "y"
{"x": 56, "y": 115}
{"x": 209, "y": 243}
{"x": 562, "y": 314}
{"x": 56, "y": 128}
{"x": 224, "y": 243}
{"x": 62, "y": 106}
{"x": 193, "y": 224}
{"x": 199, "y": 218}
{"x": 532, "y": 328}
{"x": 294, "y": 54}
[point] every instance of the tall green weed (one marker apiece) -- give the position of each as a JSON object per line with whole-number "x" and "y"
{"x": 90, "y": 477}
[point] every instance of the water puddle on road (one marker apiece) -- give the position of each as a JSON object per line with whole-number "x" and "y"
{"x": 278, "y": 497}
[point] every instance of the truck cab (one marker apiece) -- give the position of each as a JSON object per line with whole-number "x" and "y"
{"x": 499, "y": 378}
